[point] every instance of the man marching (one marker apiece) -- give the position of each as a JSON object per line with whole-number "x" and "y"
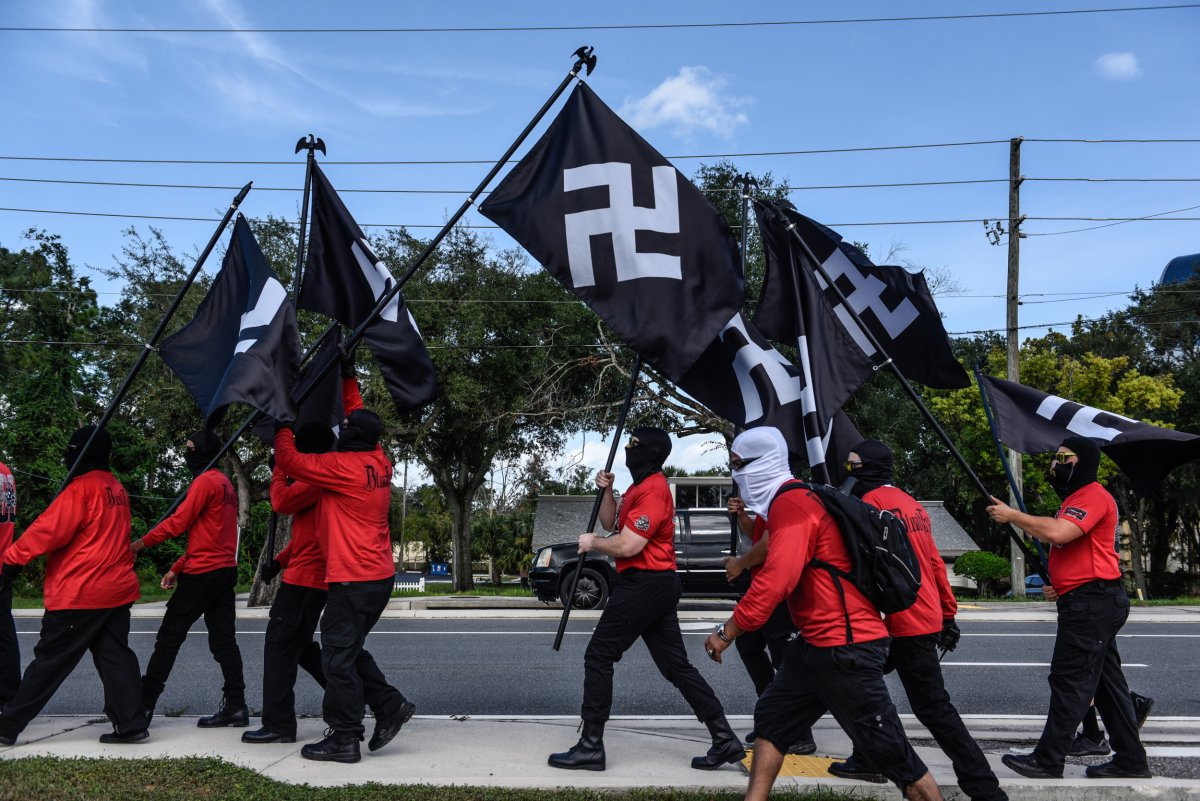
{"x": 89, "y": 587}
{"x": 204, "y": 579}
{"x": 642, "y": 604}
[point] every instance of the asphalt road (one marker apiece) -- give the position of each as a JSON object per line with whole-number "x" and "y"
{"x": 507, "y": 667}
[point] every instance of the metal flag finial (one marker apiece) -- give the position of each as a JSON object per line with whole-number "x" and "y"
{"x": 586, "y": 56}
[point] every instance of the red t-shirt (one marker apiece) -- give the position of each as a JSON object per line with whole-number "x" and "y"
{"x": 8, "y": 508}
{"x": 84, "y": 534}
{"x": 302, "y": 558}
{"x": 647, "y": 510}
{"x": 802, "y": 530}
{"x": 760, "y": 528}
{"x": 1094, "y": 555}
{"x": 352, "y": 512}
{"x": 209, "y": 516}
{"x": 935, "y": 601}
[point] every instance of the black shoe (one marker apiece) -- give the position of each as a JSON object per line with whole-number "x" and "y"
{"x": 5, "y": 740}
{"x": 726, "y": 747}
{"x": 227, "y": 715}
{"x": 266, "y": 736}
{"x": 853, "y": 770}
{"x": 1028, "y": 766}
{"x": 1111, "y": 770}
{"x": 388, "y": 727}
{"x": 338, "y": 746}
{"x": 1141, "y": 707}
{"x": 587, "y": 754}
{"x": 1083, "y": 746}
{"x": 116, "y": 738}
{"x": 803, "y": 747}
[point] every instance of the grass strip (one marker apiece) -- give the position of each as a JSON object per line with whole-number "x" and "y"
{"x": 212, "y": 779}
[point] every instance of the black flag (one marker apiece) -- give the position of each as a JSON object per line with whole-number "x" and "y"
{"x": 242, "y": 344}
{"x": 741, "y": 377}
{"x": 344, "y": 279}
{"x": 792, "y": 309}
{"x": 894, "y": 303}
{"x": 1031, "y": 421}
{"x": 610, "y": 218}
{"x": 323, "y": 404}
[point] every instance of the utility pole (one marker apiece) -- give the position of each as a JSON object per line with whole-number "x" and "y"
{"x": 1014, "y": 358}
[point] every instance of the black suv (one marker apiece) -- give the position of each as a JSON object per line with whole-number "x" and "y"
{"x": 701, "y": 545}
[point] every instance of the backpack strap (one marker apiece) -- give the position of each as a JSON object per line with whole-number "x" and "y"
{"x": 835, "y": 573}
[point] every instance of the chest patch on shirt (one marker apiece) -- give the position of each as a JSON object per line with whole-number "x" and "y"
{"x": 642, "y": 523}
{"x": 1075, "y": 512}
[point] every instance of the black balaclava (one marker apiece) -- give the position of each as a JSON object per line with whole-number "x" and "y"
{"x": 204, "y": 447}
{"x": 360, "y": 432}
{"x": 315, "y": 438}
{"x": 649, "y": 454}
{"x": 876, "y": 469}
{"x": 97, "y": 456}
{"x": 1067, "y": 478}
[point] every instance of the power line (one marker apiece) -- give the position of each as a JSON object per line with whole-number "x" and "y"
{"x": 180, "y": 218}
{"x": 1117, "y": 141}
{"x": 1119, "y": 221}
{"x": 1118, "y": 317}
{"x": 444, "y": 162}
{"x": 296, "y": 189}
{"x": 614, "y": 27}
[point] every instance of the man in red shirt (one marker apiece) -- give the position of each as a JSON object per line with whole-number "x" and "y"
{"x": 837, "y": 662}
{"x": 642, "y": 604}
{"x": 917, "y": 631}
{"x": 289, "y": 642}
{"x": 1092, "y": 608}
{"x": 352, "y": 518}
{"x": 762, "y": 651}
{"x": 89, "y": 587}
{"x": 10, "y": 648}
{"x": 204, "y": 579}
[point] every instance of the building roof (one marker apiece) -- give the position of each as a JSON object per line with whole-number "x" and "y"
{"x": 562, "y": 518}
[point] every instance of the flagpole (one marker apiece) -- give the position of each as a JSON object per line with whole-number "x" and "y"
{"x": 158, "y": 332}
{"x": 747, "y": 181}
{"x": 912, "y": 393}
{"x": 585, "y": 58}
{"x": 312, "y": 144}
{"x": 612, "y": 455}
{"x": 1008, "y": 472}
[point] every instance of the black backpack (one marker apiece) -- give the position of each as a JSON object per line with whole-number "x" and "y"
{"x": 883, "y": 564}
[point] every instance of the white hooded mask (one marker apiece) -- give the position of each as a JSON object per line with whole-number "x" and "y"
{"x": 759, "y": 480}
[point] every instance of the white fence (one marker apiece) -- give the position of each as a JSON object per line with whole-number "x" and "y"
{"x": 411, "y": 586}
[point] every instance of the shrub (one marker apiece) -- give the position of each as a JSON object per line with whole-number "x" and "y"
{"x": 982, "y": 567}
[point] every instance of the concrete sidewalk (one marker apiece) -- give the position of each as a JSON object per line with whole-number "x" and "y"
{"x": 511, "y": 752}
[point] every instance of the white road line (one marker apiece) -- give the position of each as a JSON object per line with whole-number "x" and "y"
{"x": 1025, "y": 664}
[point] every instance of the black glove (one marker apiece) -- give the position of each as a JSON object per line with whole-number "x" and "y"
{"x": 269, "y": 569}
{"x": 347, "y": 362}
{"x": 948, "y": 639}
{"x": 8, "y": 574}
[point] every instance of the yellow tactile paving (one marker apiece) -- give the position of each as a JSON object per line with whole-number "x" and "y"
{"x": 811, "y": 766}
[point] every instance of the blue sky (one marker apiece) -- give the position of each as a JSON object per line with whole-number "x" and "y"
{"x": 453, "y": 96}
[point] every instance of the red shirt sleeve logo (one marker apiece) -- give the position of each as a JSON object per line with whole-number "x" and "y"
{"x": 1075, "y": 512}
{"x": 642, "y": 523}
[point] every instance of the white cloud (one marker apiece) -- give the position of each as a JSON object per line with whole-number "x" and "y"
{"x": 692, "y": 100}
{"x": 1118, "y": 66}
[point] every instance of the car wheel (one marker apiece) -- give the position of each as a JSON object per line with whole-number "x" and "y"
{"x": 590, "y": 593}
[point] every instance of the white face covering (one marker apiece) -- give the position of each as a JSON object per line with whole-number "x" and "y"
{"x": 759, "y": 479}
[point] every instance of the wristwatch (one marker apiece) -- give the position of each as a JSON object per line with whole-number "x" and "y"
{"x": 721, "y": 634}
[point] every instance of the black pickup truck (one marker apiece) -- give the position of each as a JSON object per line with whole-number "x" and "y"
{"x": 701, "y": 545}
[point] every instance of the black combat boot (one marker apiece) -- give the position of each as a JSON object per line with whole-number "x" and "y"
{"x": 726, "y": 747}
{"x": 229, "y": 714}
{"x": 338, "y": 746}
{"x": 587, "y": 754}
